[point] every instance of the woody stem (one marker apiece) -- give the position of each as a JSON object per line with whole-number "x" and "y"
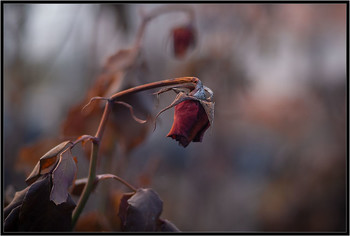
{"x": 96, "y": 143}
{"x": 163, "y": 83}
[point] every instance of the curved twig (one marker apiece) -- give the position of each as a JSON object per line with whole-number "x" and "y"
{"x": 93, "y": 99}
{"x": 131, "y": 111}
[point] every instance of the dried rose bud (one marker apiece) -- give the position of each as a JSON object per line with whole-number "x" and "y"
{"x": 183, "y": 39}
{"x": 190, "y": 122}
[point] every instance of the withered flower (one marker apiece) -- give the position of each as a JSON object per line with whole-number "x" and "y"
{"x": 194, "y": 113}
{"x": 190, "y": 122}
{"x": 183, "y": 39}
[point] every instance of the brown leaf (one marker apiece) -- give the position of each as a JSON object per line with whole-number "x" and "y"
{"x": 142, "y": 212}
{"x": 16, "y": 201}
{"x": 167, "y": 226}
{"x": 32, "y": 210}
{"x": 47, "y": 162}
{"x": 62, "y": 177}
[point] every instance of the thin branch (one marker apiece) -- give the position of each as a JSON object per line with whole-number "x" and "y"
{"x": 93, "y": 99}
{"x": 110, "y": 176}
{"x": 131, "y": 112}
{"x": 181, "y": 80}
{"x": 89, "y": 186}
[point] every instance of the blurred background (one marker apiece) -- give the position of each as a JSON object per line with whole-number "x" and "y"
{"x": 275, "y": 158}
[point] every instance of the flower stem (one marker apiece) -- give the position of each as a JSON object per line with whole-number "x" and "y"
{"x": 88, "y": 187}
{"x": 92, "y": 168}
{"x": 181, "y": 80}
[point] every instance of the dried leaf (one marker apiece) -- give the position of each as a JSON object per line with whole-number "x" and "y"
{"x": 16, "y": 201}
{"x": 209, "y": 109}
{"x": 143, "y": 211}
{"x": 34, "y": 175}
{"x": 62, "y": 177}
{"x": 167, "y": 226}
{"x": 47, "y": 162}
{"x": 11, "y": 222}
{"x": 32, "y": 210}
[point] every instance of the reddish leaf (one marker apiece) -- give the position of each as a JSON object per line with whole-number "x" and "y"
{"x": 62, "y": 177}
{"x": 32, "y": 210}
{"x": 190, "y": 122}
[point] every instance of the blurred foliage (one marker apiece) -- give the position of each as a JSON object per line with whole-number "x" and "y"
{"x": 275, "y": 158}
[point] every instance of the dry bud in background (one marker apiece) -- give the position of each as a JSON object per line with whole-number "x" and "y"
{"x": 183, "y": 39}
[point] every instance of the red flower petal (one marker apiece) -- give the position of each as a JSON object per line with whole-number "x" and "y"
{"x": 190, "y": 122}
